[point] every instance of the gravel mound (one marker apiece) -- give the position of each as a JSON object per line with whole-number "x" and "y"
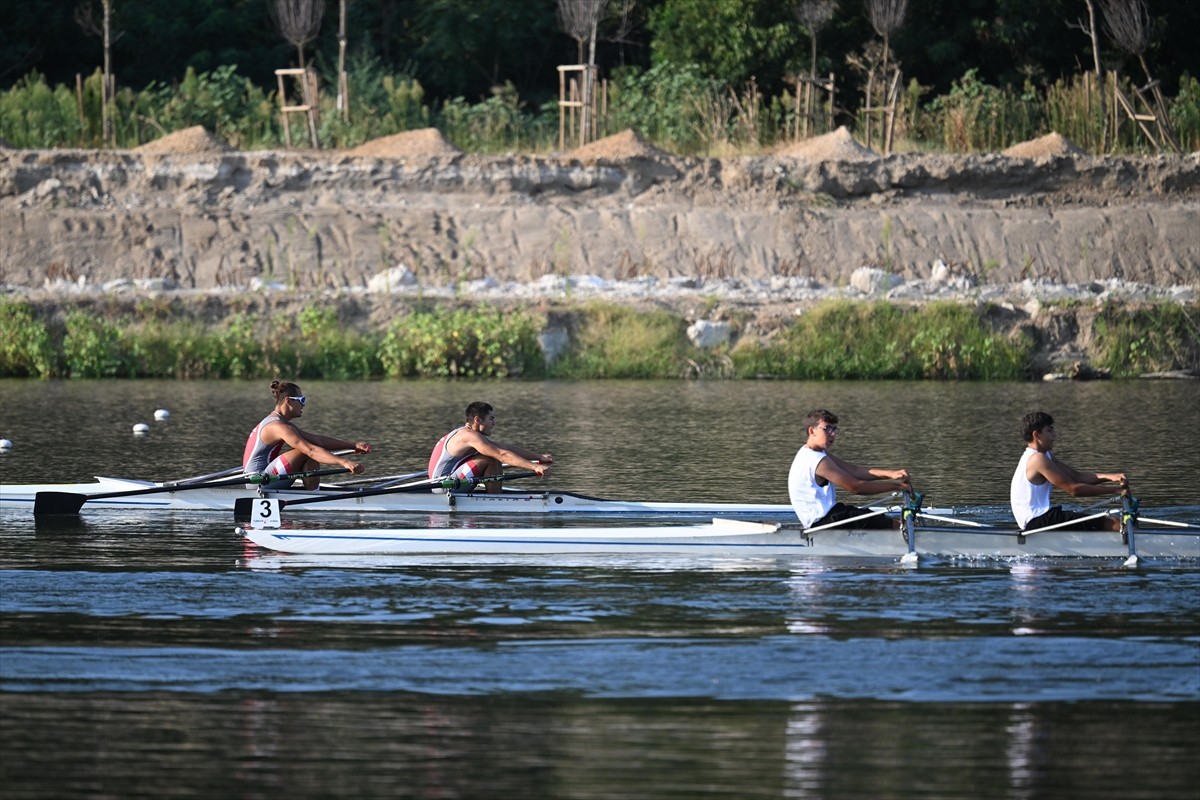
{"x": 426, "y": 142}
{"x": 626, "y": 144}
{"x": 185, "y": 142}
{"x": 837, "y": 145}
{"x": 1050, "y": 145}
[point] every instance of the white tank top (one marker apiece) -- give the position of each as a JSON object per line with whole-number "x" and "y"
{"x": 809, "y": 500}
{"x": 1028, "y": 500}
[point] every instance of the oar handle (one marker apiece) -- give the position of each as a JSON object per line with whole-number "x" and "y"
{"x": 206, "y": 479}
{"x": 431, "y": 483}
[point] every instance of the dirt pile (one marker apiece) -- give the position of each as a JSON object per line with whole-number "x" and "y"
{"x": 626, "y": 144}
{"x": 1049, "y": 146}
{"x": 837, "y": 145}
{"x": 423, "y": 143}
{"x": 189, "y": 141}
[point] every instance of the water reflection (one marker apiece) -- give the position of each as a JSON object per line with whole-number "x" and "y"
{"x": 804, "y": 753}
{"x": 144, "y": 656}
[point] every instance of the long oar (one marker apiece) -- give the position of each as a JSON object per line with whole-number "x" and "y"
{"x": 212, "y": 476}
{"x": 966, "y": 522}
{"x": 1058, "y": 525}
{"x": 1172, "y": 523}
{"x": 847, "y": 521}
{"x": 70, "y": 503}
{"x": 378, "y": 483}
{"x": 225, "y": 473}
{"x": 243, "y": 507}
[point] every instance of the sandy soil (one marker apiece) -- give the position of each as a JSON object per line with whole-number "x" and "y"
{"x": 190, "y": 213}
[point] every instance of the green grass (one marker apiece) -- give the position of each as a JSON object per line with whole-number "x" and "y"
{"x": 838, "y": 340}
{"x": 881, "y": 341}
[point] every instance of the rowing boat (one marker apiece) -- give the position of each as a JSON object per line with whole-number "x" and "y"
{"x": 510, "y": 501}
{"x": 733, "y": 538}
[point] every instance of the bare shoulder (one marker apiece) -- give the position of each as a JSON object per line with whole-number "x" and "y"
{"x": 1039, "y": 464}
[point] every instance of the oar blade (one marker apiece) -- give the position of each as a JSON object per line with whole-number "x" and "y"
{"x": 58, "y": 503}
{"x": 242, "y": 508}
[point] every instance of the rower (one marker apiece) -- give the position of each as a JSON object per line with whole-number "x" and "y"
{"x": 469, "y": 453}
{"x": 815, "y": 472}
{"x": 264, "y": 451}
{"x": 1038, "y": 470}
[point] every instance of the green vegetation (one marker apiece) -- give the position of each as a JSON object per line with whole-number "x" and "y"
{"x": 676, "y": 108}
{"x": 841, "y": 340}
{"x": 693, "y": 76}
{"x": 835, "y": 340}
{"x": 25, "y": 346}
{"x": 611, "y": 341}
{"x": 1158, "y": 338}
{"x": 476, "y": 343}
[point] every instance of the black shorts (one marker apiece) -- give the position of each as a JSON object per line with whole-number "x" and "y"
{"x": 841, "y": 511}
{"x": 1056, "y": 515}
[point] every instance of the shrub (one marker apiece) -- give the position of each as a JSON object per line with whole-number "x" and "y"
{"x": 473, "y": 343}
{"x": 25, "y": 346}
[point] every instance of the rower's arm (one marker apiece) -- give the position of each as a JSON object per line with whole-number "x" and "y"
{"x": 334, "y": 443}
{"x": 1076, "y": 483}
{"x": 304, "y": 443}
{"x": 860, "y": 480}
{"x": 505, "y": 454}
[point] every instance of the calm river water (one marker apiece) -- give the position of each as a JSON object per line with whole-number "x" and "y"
{"x": 163, "y": 657}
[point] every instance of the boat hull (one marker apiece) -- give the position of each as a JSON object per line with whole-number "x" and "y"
{"x": 16, "y": 497}
{"x": 726, "y": 540}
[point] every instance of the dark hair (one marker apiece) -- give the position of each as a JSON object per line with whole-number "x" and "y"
{"x": 1034, "y": 421}
{"x": 478, "y": 409}
{"x": 819, "y": 415}
{"x": 282, "y": 390}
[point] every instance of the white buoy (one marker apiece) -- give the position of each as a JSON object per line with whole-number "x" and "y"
{"x": 161, "y": 414}
{"x": 5, "y": 444}
{"x": 140, "y": 429}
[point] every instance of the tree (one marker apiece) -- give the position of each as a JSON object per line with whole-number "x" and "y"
{"x": 625, "y": 21}
{"x": 731, "y": 40}
{"x": 887, "y": 17}
{"x": 343, "y": 102}
{"x": 466, "y": 47}
{"x": 298, "y": 21}
{"x": 580, "y": 18}
{"x": 814, "y": 15}
{"x": 1128, "y": 25}
{"x": 1092, "y": 31}
{"x": 85, "y": 16}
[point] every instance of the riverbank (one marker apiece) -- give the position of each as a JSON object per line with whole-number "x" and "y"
{"x": 594, "y": 331}
{"x": 190, "y": 213}
{"x": 1041, "y": 243}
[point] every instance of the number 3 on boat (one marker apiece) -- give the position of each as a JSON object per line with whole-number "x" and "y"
{"x": 265, "y": 513}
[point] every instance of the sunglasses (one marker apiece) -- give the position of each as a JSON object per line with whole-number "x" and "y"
{"x": 299, "y": 400}
{"x": 830, "y": 429}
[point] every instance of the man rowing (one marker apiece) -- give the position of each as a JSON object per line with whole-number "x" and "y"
{"x": 469, "y": 452}
{"x": 1038, "y": 470}
{"x": 264, "y": 448}
{"x": 816, "y": 472}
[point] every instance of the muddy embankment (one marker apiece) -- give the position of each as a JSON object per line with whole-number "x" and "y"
{"x": 410, "y": 216}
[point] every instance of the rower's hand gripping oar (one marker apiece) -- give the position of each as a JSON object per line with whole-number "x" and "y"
{"x": 70, "y": 502}
{"x": 243, "y": 507}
